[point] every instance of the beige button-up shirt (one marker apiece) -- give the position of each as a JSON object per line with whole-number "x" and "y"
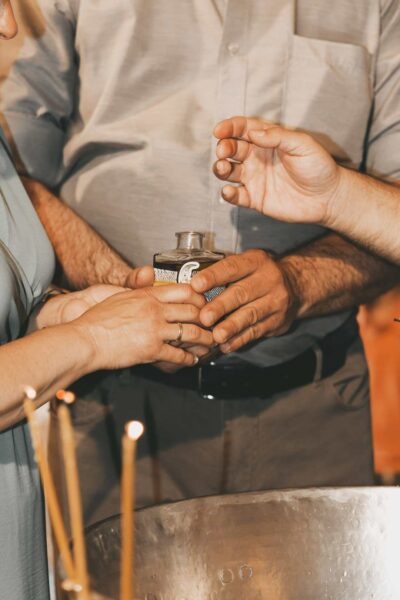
{"x": 116, "y": 101}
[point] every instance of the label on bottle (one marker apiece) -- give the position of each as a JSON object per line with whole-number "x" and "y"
{"x": 183, "y": 274}
{"x": 187, "y": 271}
{"x": 164, "y": 276}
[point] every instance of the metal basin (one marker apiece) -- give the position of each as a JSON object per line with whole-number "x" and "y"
{"x": 317, "y": 544}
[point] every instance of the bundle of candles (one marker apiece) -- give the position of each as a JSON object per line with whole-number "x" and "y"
{"x": 75, "y": 564}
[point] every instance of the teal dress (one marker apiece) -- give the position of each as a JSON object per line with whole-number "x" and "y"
{"x": 26, "y": 269}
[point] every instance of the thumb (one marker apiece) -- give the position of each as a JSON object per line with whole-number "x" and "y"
{"x": 285, "y": 140}
{"x": 141, "y": 277}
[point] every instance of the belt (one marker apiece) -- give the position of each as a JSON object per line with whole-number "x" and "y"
{"x": 241, "y": 380}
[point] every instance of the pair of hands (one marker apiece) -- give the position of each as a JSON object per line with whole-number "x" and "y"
{"x": 129, "y": 327}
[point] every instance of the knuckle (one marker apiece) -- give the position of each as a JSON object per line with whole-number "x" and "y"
{"x": 216, "y": 308}
{"x": 253, "y": 333}
{"x": 221, "y": 334}
{"x": 281, "y": 300}
{"x": 209, "y": 276}
{"x": 194, "y": 313}
{"x": 252, "y": 315}
{"x": 241, "y": 294}
{"x": 257, "y": 257}
{"x": 193, "y": 332}
{"x": 232, "y": 266}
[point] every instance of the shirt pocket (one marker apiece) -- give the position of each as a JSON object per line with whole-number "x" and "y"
{"x": 328, "y": 92}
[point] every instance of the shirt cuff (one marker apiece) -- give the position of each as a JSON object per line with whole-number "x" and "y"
{"x": 39, "y": 145}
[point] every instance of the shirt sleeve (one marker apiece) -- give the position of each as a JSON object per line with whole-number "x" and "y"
{"x": 383, "y": 151}
{"x": 38, "y": 96}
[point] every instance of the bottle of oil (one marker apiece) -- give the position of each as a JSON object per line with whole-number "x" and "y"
{"x": 188, "y": 258}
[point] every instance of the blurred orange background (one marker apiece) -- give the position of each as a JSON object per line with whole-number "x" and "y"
{"x": 381, "y": 336}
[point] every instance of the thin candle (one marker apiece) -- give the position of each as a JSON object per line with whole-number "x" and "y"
{"x": 73, "y": 492}
{"x": 48, "y": 485}
{"x": 133, "y": 431}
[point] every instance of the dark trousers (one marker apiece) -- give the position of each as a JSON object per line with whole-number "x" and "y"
{"x": 317, "y": 435}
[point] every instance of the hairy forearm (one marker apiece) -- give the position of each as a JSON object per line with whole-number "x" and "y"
{"x": 332, "y": 274}
{"x": 367, "y": 210}
{"x": 84, "y": 256}
{"x": 45, "y": 360}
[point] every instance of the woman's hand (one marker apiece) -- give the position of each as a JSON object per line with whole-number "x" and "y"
{"x": 134, "y": 327}
{"x": 284, "y": 174}
{"x": 64, "y": 308}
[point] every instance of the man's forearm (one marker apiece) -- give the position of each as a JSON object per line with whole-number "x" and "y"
{"x": 367, "y": 211}
{"x": 84, "y": 256}
{"x": 331, "y": 274}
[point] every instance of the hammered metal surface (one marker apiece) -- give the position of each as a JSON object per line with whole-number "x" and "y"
{"x": 319, "y": 544}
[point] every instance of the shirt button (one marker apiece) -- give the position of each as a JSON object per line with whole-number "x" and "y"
{"x": 233, "y": 48}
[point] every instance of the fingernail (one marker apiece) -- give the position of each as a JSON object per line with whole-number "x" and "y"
{"x": 208, "y": 318}
{"x": 225, "y": 348}
{"x": 220, "y": 335}
{"x": 227, "y": 192}
{"x": 199, "y": 282}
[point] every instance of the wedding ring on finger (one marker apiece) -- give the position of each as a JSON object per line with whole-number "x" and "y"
{"x": 180, "y": 334}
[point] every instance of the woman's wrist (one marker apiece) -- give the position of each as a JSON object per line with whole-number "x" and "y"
{"x": 48, "y": 311}
{"x": 88, "y": 344}
{"x": 79, "y": 348}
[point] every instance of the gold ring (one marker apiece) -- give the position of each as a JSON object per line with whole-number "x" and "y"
{"x": 180, "y": 334}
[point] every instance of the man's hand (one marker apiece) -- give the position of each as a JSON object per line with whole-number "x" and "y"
{"x": 140, "y": 277}
{"x": 284, "y": 174}
{"x": 258, "y": 303}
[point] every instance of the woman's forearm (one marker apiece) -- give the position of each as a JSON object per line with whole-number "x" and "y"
{"x": 367, "y": 211}
{"x": 45, "y": 360}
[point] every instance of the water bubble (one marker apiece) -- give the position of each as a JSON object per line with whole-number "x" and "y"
{"x": 245, "y": 572}
{"x": 226, "y": 576}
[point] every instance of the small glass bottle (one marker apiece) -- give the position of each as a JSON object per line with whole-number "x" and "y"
{"x": 188, "y": 258}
